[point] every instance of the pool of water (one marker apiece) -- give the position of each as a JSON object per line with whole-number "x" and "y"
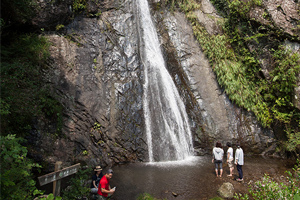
{"x": 193, "y": 178}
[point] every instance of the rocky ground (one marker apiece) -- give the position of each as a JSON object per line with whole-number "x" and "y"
{"x": 254, "y": 170}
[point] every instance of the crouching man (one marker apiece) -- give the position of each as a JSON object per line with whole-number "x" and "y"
{"x": 104, "y": 188}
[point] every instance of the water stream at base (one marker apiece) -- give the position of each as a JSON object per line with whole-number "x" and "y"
{"x": 167, "y": 127}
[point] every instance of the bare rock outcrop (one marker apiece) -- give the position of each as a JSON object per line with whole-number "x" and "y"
{"x": 97, "y": 75}
{"x": 280, "y": 14}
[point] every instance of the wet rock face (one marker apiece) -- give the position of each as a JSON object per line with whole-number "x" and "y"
{"x": 97, "y": 75}
{"x": 98, "y": 78}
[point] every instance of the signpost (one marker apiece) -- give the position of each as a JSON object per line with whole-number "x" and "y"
{"x": 57, "y": 175}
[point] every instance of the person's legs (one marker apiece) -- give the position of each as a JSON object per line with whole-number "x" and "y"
{"x": 230, "y": 165}
{"x": 221, "y": 169}
{"x": 94, "y": 190}
{"x": 216, "y": 168}
{"x": 240, "y": 171}
{"x": 231, "y": 171}
{"x": 100, "y": 197}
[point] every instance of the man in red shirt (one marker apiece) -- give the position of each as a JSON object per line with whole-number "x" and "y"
{"x": 104, "y": 187}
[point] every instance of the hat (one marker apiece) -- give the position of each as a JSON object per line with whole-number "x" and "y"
{"x": 110, "y": 171}
{"x": 97, "y": 168}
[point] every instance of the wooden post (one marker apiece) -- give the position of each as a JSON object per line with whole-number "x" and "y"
{"x": 56, "y": 184}
{"x": 57, "y": 175}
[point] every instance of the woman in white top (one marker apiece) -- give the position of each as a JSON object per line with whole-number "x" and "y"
{"x": 218, "y": 154}
{"x": 230, "y": 158}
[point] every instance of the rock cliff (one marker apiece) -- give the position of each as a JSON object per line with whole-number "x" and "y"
{"x": 97, "y": 75}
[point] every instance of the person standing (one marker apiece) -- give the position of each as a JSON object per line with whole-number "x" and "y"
{"x": 230, "y": 158}
{"x": 104, "y": 188}
{"x": 96, "y": 179}
{"x": 239, "y": 161}
{"x": 218, "y": 154}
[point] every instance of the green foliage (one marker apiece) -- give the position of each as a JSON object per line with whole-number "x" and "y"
{"x": 293, "y": 142}
{"x": 221, "y": 6}
{"x": 77, "y": 185}
{"x": 23, "y": 96}
{"x": 238, "y": 68}
{"x": 59, "y": 27}
{"x": 231, "y": 71}
{"x": 146, "y": 196}
{"x": 97, "y": 126}
{"x": 16, "y": 178}
{"x": 269, "y": 189}
{"x": 4, "y": 108}
{"x": 189, "y": 5}
{"x": 79, "y": 5}
{"x": 85, "y": 152}
{"x": 48, "y": 197}
{"x": 15, "y": 12}
{"x": 284, "y": 76}
{"x": 242, "y": 8}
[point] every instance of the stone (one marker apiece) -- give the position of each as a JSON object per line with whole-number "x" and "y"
{"x": 226, "y": 190}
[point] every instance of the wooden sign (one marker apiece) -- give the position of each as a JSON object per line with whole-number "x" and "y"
{"x": 54, "y": 176}
{"x": 57, "y": 175}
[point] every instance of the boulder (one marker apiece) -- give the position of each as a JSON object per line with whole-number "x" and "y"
{"x": 226, "y": 190}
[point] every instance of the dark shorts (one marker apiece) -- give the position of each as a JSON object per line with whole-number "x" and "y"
{"x": 218, "y": 163}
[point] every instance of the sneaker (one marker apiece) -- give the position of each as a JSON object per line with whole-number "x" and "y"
{"x": 240, "y": 180}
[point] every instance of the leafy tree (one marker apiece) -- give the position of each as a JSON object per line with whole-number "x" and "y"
{"x": 77, "y": 186}
{"x": 23, "y": 92}
{"x": 17, "y": 12}
{"x": 16, "y": 176}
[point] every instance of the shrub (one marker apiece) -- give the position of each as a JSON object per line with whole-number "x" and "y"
{"x": 269, "y": 189}
{"x": 23, "y": 92}
{"x": 77, "y": 186}
{"x": 16, "y": 177}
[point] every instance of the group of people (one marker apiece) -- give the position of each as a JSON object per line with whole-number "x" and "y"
{"x": 238, "y": 160}
{"x": 100, "y": 184}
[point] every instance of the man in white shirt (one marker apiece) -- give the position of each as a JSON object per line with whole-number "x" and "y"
{"x": 239, "y": 161}
{"x": 230, "y": 158}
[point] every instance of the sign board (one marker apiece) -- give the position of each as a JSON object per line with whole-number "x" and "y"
{"x": 57, "y": 175}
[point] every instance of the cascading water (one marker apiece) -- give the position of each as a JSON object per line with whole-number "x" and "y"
{"x": 168, "y": 133}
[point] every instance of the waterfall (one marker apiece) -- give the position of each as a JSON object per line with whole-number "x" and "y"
{"x": 168, "y": 132}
